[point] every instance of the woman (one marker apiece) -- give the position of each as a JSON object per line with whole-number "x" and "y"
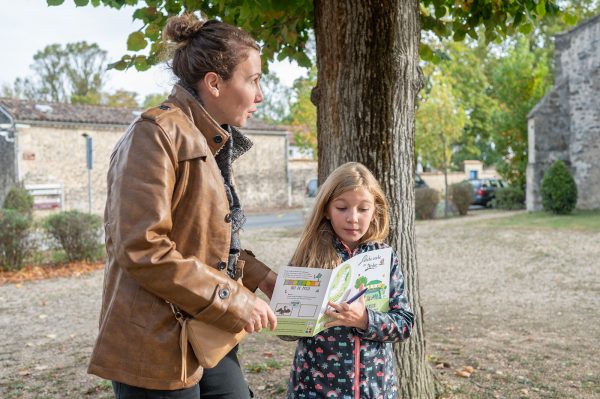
{"x": 172, "y": 223}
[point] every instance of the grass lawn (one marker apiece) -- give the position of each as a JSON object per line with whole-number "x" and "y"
{"x": 578, "y": 220}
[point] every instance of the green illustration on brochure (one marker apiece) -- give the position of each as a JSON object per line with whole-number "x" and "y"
{"x": 301, "y": 293}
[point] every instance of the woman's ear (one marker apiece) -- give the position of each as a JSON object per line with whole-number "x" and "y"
{"x": 211, "y": 83}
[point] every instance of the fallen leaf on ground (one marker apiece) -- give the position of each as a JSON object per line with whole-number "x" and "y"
{"x": 29, "y": 272}
{"x": 462, "y": 373}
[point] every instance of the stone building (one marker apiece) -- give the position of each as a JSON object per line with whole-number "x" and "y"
{"x": 565, "y": 124}
{"x": 43, "y": 145}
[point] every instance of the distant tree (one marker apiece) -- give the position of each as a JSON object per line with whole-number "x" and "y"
{"x": 154, "y": 99}
{"x": 303, "y": 113}
{"x": 439, "y": 124}
{"x": 275, "y": 106}
{"x": 121, "y": 98}
{"x": 85, "y": 69}
{"x": 518, "y": 81}
{"x": 22, "y": 88}
{"x": 73, "y": 73}
{"x": 49, "y": 65}
{"x": 465, "y": 65}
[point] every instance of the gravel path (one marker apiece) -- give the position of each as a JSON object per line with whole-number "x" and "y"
{"x": 518, "y": 305}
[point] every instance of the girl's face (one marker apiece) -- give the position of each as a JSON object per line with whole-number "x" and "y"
{"x": 237, "y": 97}
{"x": 350, "y": 214}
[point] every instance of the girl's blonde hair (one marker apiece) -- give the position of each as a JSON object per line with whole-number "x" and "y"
{"x": 315, "y": 248}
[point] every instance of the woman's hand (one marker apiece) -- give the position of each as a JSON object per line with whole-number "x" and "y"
{"x": 349, "y": 315}
{"x": 261, "y": 317}
{"x": 267, "y": 285}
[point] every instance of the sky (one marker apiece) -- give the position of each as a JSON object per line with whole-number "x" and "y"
{"x": 30, "y": 25}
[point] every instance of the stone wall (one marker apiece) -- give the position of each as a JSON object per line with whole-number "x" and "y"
{"x": 301, "y": 170}
{"x": 565, "y": 125}
{"x": 260, "y": 174}
{"x": 57, "y": 156}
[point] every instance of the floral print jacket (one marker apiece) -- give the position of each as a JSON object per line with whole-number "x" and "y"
{"x": 349, "y": 363}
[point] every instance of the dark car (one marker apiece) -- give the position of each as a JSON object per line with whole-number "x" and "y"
{"x": 484, "y": 190}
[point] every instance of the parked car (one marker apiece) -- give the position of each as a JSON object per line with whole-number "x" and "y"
{"x": 310, "y": 192}
{"x": 484, "y": 190}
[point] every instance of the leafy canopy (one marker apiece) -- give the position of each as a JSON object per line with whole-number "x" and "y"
{"x": 283, "y": 27}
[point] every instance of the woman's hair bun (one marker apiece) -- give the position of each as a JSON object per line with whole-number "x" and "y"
{"x": 182, "y": 28}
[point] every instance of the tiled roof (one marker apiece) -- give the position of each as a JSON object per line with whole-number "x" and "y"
{"x": 41, "y": 111}
{"x": 28, "y": 111}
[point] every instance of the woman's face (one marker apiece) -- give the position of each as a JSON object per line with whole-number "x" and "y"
{"x": 236, "y": 99}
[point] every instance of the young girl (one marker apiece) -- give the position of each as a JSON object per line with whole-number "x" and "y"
{"x": 352, "y": 358}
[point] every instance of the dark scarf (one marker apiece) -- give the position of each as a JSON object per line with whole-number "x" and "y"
{"x": 236, "y": 145}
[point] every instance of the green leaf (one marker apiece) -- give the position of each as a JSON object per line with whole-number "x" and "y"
{"x": 141, "y": 13}
{"x": 459, "y": 35}
{"x": 119, "y": 65}
{"x": 81, "y": 3}
{"x": 526, "y": 28}
{"x": 303, "y": 60}
{"x": 141, "y": 63}
{"x": 541, "y": 8}
{"x": 518, "y": 19}
{"x": 440, "y": 11}
{"x": 136, "y": 41}
{"x": 425, "y": 52}
{"x": 172, "y": 7}
{"x": 152, "y": 32}
{"x": 54, "y": 2}
{"x": 570, "y": 19}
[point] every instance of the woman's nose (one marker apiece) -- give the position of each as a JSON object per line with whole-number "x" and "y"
{"x": 259, "y": 96}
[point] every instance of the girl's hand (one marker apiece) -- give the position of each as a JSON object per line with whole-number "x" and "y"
{"x": 349, "y": 315}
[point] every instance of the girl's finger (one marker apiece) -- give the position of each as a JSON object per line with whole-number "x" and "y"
{"x": 332, "y": 313}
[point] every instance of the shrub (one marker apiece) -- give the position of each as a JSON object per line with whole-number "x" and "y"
{"x": 19, "y": 199}
{"x": 14, "y": 243}
{"x": 78, "y": 234}
{"x": 461, "y": 195}
{"x": 559, "y": 192}
{"x": 509, "y": 198}
{"x": 426, "y": 201}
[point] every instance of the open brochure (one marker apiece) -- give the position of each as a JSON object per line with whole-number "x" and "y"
{"x": 301, "y": 293}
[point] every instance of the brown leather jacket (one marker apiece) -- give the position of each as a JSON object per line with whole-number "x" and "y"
{"x": 167, "y": 238}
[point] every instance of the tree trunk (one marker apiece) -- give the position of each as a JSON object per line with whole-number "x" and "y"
{"x": 368, "y": 79}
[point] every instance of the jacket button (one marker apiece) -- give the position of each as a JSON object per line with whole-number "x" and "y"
{"x": 221, "y": 265}
{"x": 223, "y": 293}
{"x": 228, "y": 218}
{"x": 218, "y": 139}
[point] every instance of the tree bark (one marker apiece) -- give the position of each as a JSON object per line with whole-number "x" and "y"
{"x": 368, "y": 79}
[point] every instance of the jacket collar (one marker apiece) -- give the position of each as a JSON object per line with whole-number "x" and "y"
{"x": 342, "y": 248}
{"x": 215, "y": 135}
